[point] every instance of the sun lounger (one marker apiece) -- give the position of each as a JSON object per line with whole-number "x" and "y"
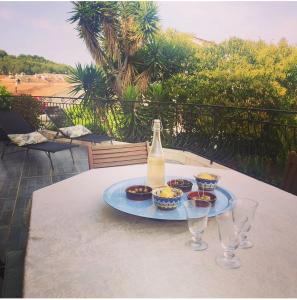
{"x": 60, "y": 119}
{"x": 14, "y": 123}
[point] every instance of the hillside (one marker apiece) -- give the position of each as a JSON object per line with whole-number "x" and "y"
{"x": 37, "y": 85}
{"x": 29, "y": 64}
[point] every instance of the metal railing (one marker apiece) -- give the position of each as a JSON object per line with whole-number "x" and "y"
{"x": 251, "y": 140}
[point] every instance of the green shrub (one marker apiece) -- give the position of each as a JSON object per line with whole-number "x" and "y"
{"x": 249, "y": 88}
{"x": 29, "y": 107}
{"x": 5, "y": 99}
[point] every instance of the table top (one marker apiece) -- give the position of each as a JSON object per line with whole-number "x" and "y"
{"x": 80, "y": 247}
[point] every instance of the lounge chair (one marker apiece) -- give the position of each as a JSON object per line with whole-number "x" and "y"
{"x": 13, "y": 123}
{"x": 60, "y": 119}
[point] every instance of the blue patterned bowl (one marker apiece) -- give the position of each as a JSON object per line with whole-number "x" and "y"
{"x": 164, "y": 202}
{"x": 207, "y": 184}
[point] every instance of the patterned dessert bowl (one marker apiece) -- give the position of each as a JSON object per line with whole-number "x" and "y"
{"x": 206, "y": 181}
{"x": 167, "y": 198}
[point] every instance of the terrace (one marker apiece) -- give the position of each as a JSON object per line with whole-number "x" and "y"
{"x": 252, "y": 141}
{"x": 21, "y": 175}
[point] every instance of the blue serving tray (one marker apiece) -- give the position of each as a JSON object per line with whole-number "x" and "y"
{"x": 115, "y": 196}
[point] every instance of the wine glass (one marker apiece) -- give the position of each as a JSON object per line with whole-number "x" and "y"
{"x": 245, "y": 208}
{"x": 197, "y": 216}
{"x": 229, "y": 233}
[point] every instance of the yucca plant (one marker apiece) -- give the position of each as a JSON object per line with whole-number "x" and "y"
{"x": 113, "y": 33}
{"x": 89, "y": 82}
{"x": 92, "y": 84}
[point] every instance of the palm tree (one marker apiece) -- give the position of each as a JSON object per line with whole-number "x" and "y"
{"x": 89, "y": 82}
{"x": 114, "y": 32}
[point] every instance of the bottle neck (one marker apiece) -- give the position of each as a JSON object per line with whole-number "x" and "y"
{"x": 156, "y": 148}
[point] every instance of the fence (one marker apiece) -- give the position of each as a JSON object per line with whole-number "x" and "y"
{"x": 253, "y": 141}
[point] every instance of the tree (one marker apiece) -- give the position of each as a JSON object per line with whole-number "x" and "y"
{"x": 114, "y": 32}
{"x": 89, "y": 82}
{"x": 170, "y": 53}
{"x": 29, "y": 64}
{"x": 2, "y": 53}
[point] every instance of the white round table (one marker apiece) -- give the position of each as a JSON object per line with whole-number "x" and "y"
{"x": 80, "y": 247}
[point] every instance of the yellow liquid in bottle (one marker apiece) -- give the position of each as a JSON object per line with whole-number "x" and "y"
{"x": 155, "y": 171}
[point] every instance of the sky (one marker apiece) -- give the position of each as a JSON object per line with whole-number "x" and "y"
{"x": 40, "y": 28}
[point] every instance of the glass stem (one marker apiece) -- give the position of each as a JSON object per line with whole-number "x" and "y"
{"x": 243, "y": 237}
{"x": 197, "y": 238}
{"x": 229, "y": 254}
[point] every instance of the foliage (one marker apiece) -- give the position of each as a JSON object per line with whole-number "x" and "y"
{"x": 170, "y": 53}
{"x": 255, "y": 142}
{"x": 4, "y": 91}
{"x": 90, "y": 82}
{"x": 2, "y": 53}
{"x": 5, "y": 99}
{"x": 80, "y": 115}
{"x": 239, "y": 73}
{"x": 28, "y": 64}
{"x": 131, "y": 93}
{"x": 114, "y": 32}
{"x": 29, "y": 107}
{"x": 239, "y": 88}
{"x": 235, "y": 72}
{"x": 155, "y": 92}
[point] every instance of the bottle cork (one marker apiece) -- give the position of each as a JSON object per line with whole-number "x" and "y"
{"x": 157, "y": 124}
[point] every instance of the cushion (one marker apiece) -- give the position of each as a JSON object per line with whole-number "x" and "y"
{"x": 75, "y": 131}
{"x": 27, "y": 138}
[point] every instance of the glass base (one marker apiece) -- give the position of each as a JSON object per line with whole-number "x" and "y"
{"x": 246, "y": 244}
{"x": 198, "y": 246}
{"x": 228, "y": 263}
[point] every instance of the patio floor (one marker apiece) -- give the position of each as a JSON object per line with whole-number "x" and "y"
{"x": 20, "y": 175}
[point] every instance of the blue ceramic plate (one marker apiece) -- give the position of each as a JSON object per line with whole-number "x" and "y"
{"x": 115, "y": 196}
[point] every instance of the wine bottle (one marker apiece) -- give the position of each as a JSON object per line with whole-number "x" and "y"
{"x": 156, "y": 160}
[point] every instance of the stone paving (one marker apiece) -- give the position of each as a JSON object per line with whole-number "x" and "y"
{"x": 20, "y": 175}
